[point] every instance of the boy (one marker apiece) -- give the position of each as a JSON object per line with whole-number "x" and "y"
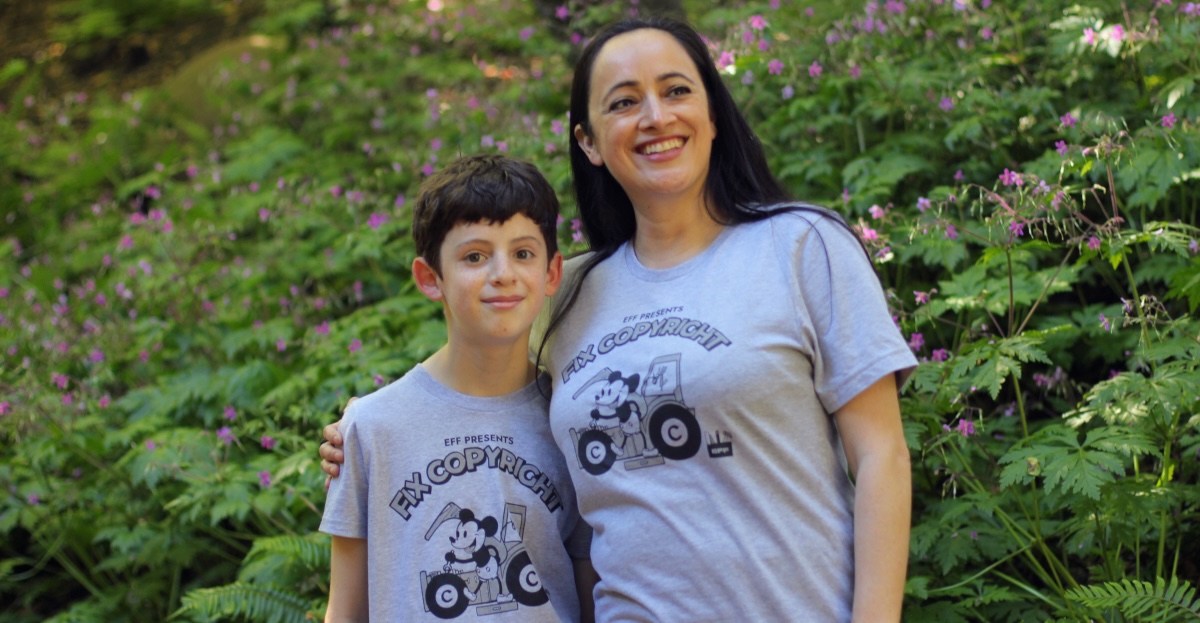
{"x": 454, "y": 500}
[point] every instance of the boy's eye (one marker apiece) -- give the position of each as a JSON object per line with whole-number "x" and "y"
{"x": 524, "y": 254}
{"x": 474, "y": 257}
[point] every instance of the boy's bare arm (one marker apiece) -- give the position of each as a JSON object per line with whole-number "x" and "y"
{"x": 585, "y": 580}
{"x": 348, "y": 582}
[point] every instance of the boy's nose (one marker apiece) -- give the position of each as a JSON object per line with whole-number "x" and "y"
{"x": 502, "y": 270}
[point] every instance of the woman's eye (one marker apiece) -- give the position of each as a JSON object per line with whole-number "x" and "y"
{"x": 679, "y": 90}
{"x": 621, "y": 103}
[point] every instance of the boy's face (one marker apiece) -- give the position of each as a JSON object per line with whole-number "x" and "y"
{"x": 495, "y": 278}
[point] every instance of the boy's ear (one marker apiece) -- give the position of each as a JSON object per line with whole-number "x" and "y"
{"x": 427, "y": 279}
{"x": 588, "y": 146}
{"x": 554, "y": 274}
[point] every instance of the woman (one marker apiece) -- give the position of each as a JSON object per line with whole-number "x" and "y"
{"x": 720, "y": 360}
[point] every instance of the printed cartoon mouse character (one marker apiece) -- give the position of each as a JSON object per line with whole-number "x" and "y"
{"x": 468, "y": 539}
{"x": 631, "y": 440}
{"x": 613, "y": 406}
{"x": 487, "y": 561}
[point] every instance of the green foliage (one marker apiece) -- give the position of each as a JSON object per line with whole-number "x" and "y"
{"x": 186, "y": 301}
{"x": 243, "y": 602}
{"x": 1142, "y": 601}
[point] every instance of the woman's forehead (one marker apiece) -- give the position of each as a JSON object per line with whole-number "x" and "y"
{"x": 638, "y": 53}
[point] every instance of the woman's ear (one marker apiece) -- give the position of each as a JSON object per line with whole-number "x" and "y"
{"x": 427, "y": 279}
{"x": 588, "y": 147}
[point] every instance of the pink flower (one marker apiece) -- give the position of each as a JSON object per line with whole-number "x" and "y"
{"x": 951, "y": 232}
{"x": 1068, "y": 120}
{"x": 33, "y": 499}
{"x": 225, "y": 434}
{"x": 1009, "y": 178}
{"x": 923, "y": 204}
{"x": 281, "y": 345}
{"x": 1105, "y": 323}
{"x": 947, "y": 104}
{"x": 726, "y": 59}
{"x": 758, "y": 22}
{"x": 965, "y": 427}
{"x": 940, "y": 354}
{"x": 876, "y": 212}
{"x": 264, "y": 478}
{"x": 788, "y": 92}
{"x": 869, "y": 234}
{"x": 104, "y": 401}
{"x": 264, "y": 214}
{"x": 562, "y": 13}
{"x": 336, "y": 191}
{"x": 150, "y": 445}
{"x": 814, "y": 70}
{"x": 1017, "y": 229}
{"x": 1093, "y": 243}
{"x": 323, "y": 328}
{"x": 230, "y": 413}
{"x": 96, "y": 355}
{"x": 355, "y": 345}
{"x": 1118, "y": 32}
{"x": 1061, "y": 148}
{"x": 378, "y": 379}
{"x": 377, "y": 219}
{"x": 526, "y": 33}
{"x": 922, "y": 297}
{"x": 5, "y": 407}
{"x": 916, "y": 341}
{"x": 775, "y": 67}
{"x": 1168, "y": 120}
{"x": 267, "y": 442}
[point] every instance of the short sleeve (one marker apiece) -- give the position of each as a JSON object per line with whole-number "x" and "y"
{"x": 841, "y": 310}
{"x": 346, "y": 502}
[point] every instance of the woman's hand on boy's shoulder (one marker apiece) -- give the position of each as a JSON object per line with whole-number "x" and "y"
{"x": 330, "y": 450}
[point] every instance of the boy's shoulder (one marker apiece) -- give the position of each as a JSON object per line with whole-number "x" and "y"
{"x": 395, "y": 396}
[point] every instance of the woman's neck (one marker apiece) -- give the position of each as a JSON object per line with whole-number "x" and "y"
{"x": 669, "y": 234}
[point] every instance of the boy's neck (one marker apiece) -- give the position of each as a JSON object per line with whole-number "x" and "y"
{"x": 482, "y": 370}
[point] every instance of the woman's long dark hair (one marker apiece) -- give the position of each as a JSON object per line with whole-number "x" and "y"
{"x": 739, "y": 187}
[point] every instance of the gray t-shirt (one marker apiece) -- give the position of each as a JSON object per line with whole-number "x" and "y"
{"x": 695, "y": 405}
{"x": 465, "y": 504}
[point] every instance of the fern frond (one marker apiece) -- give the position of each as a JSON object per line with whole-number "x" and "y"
{"x": 310, "y": 550}
{"x": 241, "y": 601}
{"x": 1154, "y": 603}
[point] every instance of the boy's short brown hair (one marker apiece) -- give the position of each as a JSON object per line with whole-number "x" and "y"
{"x": 489, "y": 188}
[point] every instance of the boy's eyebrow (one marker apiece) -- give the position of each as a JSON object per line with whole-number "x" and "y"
{"x": 472, "y": 241}
{"x": 661, "y": 78}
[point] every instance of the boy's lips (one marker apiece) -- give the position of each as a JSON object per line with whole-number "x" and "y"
{"x": 503, "y": 302}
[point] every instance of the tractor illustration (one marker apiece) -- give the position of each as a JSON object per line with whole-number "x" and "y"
{"x": 499, "y": 579}
{"x": 640, "y": 426}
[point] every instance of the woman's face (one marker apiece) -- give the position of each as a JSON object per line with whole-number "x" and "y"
{"x": 650, "y": 119}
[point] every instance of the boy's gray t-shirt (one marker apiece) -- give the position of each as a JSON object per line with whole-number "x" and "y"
{"x": 464, "y": 501}
{"x": 694, "y": 404}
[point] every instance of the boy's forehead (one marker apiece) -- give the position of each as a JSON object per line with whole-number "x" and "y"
{"x": 515, "y": 225}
